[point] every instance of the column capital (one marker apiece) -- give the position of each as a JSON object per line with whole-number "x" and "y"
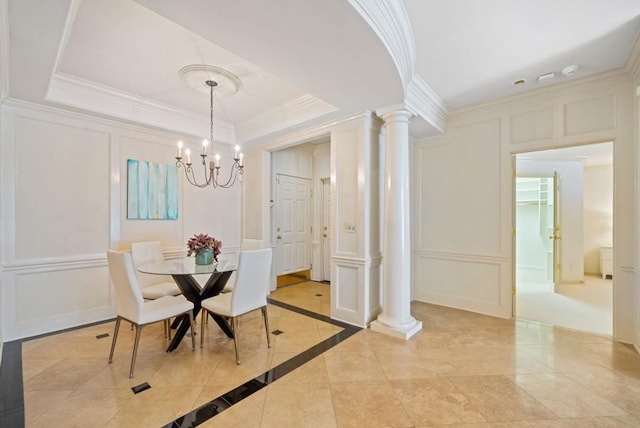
{"x": 396, "y": 113}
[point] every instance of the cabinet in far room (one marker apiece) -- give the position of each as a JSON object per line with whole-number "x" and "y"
{"x": 606, "y": 262}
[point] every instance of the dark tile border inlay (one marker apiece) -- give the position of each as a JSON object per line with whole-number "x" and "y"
{"x": 12, "y": 393}
{"x": 102, "y": 336}
{"x": 277, "y": 332}
{"x": 220, "y": 404}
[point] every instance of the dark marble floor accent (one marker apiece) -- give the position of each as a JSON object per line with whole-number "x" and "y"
{"x": 11, "y": 392}
{"x": 219, "y": 404}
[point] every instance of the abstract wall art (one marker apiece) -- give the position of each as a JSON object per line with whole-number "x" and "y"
{"x": 152, "y": 191}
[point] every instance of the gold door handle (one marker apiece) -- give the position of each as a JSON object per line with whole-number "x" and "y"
{"x": 279, "y": 237}
{"x": 554, "y": 237}
{"x": 324, "y": 235}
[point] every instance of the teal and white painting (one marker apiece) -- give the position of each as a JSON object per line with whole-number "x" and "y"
{"x": 152, "y": 191}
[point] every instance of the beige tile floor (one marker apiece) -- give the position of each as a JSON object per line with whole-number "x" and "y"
{"x": 462, "y": 369}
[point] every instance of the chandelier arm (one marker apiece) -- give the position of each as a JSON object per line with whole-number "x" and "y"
{"x": 190, "y": 175}
{"x": 233, "y": 175}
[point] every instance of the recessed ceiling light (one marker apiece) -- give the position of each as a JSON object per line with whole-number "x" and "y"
{"x": 519, "y": 82}
{"x": 570, "y": 70}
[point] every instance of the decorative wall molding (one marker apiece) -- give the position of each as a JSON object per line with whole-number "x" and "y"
{"x": 468, "y": 257}
{"x": 57, "y": 263}
{"x": 292, "y": 113}
{"x": 389, "y": 20}
{"x": 374, "y": 260}
{"x": 4, "y": 50}
{"x": 90, "y": 96}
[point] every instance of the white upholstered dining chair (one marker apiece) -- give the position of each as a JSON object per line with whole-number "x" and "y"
{"x": 133, "y": 308}
{"x": 246, "y": 245}
{"x": 249, "y": 294}
{"x": 152, "y": 286}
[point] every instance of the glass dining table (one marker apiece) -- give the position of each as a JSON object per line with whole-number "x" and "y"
{"x": 182, "y": 271}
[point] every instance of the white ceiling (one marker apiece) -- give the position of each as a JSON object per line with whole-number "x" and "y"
{"x": 300, "y": 63}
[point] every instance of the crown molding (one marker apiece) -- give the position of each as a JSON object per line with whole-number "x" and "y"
{"x": 389, "y": 20}
{"x": 612, "y": 77}
{"x": 74, "y": 6}
{"x": 424, "y": 102}
{"x": 4, "y": 50}
{"x": 294, "y": 112}
{"x": 29, "y": 107}
{"x": 79, "y": 93}
{"x": 633, "y": 60}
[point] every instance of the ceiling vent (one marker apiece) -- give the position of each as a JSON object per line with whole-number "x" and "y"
{"x": 546, "y": 76}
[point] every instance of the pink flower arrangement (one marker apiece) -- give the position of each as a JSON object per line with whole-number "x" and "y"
{"x": 203, "y": 241}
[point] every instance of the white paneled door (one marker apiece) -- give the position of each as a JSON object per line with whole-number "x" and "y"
{"x": 326, "y": 230}
{"x": 293, "y": 224}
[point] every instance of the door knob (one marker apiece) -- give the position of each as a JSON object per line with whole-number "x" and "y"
{"x": 324, "y": 235}
{"x": 279, "y": 237}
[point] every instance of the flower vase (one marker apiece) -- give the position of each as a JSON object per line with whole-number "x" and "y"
{"x": 204, "y": 257}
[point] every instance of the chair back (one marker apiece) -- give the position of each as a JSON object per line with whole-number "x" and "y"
{"x": 250, "y": 290}
{"x": 144, "y": 253}
{"x": 123, "y": 277}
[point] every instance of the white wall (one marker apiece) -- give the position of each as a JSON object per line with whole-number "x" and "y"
{"x": 598, "y": 214}
{"x": 464, "y": 257}
{"x": 64, "y": 204}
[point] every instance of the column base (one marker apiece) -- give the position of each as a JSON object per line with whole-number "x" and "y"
{"x": 404, "y": 334}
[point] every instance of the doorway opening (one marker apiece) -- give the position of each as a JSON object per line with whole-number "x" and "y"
{"x": 301, "y": 220}
{"x": 563, "y": 217}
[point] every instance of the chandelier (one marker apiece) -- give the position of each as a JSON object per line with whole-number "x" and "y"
{"x": 212, "y": 169}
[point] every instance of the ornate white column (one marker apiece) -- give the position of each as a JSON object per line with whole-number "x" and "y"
{"x": 396, "y": 319}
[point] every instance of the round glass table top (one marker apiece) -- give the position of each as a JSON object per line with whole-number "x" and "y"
{"x": 188, "y": 266}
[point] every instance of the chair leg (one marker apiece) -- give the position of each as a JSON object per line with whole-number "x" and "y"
{"x": 193, "y": 331}
{"x": 135, "y": 349}
{"x": 205, "y": 314}
{"x": 266, "y": 325}
{"x": 115, "y": 336}
{"x": 168, "y": 329}
{"x": 234, "y": 324}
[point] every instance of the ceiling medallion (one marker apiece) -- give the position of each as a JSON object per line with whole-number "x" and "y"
{"x": 196, "y": 76}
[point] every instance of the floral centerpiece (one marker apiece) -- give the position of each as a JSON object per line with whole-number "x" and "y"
{"x": 205, "y": 247}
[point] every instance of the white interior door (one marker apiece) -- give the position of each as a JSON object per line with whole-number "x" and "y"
{"x": 556, "y": 235}
{"x": 293, "y": 224}
{"x": 326, "y": 230}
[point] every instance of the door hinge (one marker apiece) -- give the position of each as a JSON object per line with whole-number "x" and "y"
{"x": 513, "y": 290}
{"x": 513, "y": 231}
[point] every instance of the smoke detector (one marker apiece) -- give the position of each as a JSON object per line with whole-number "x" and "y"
{"x": 570, "y": 70}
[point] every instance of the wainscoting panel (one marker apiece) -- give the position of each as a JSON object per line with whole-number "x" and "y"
{"x": 48, "y": 299}
{"x": 70, "y": 215}
{"x": 595, "y": 114}
{"x": 464, "y": 282}
{"x": 532, "y": 126}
